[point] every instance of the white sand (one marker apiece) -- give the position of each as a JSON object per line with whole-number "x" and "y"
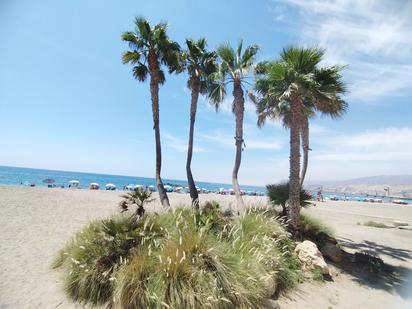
{"x": 35, "y": 223}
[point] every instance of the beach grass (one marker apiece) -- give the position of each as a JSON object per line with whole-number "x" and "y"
{"x": 376, "y": 224}
{"x": 182, "y": 258}
{"x": 314, "y": 229}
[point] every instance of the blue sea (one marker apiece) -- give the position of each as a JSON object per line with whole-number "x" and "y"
{"x": 27, "y": 176}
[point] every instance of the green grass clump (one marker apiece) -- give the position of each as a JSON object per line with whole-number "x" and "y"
{"x": 279, "y": 246}
{"x": 179, "y": 259}
{"x": 96, "y": 252}
{"x": 376, "y": 224}
{"x": 317, "y": 275}
{"x": 314, "y": 229}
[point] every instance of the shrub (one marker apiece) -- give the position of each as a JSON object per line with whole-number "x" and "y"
{"x": 138, "y": 198}
{"x": 211, "y": 217}
{"x": 376, "y": 224}
{"x": 279, "y": 194}
{"x": 92, "y": 257}
{"x": 184, "y": 258}
{"x": 280, "y": 246}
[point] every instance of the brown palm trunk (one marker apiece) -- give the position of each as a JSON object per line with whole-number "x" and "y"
{"x": 294, "y": 183}
{"x": 305, "y": 147}
{"x": 193, "y": 107}
{"x": 154, "y": 91}
{"x": 239, "y": 109}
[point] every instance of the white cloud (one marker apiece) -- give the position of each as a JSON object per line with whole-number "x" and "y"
{"x": 179, "y": 144}
{"x": 373, "y": 37}
{"x": 373, "y": 152}
{"x": 227, "y": 141}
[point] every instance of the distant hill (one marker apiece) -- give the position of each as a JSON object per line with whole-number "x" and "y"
{"x": 390, "y": 180}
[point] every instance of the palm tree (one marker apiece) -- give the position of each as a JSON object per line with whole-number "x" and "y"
{"x": 304, "y": 135}
{"x": 296, "y": 82}
{"x": 150, "y": 50}
{"x": 234, "y": 68}
{"x": 282, "y": 111}
{"x": 138, "y": 198}
{"x": 200, "y": 65}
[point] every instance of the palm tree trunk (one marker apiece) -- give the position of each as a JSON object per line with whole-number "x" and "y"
{"x": 305, "y": 147}
{"x": 239, "y": 109}
{"x": 294, "y": 184}
{"x": 154, "y": 91}
{"x": 193, "y": 107}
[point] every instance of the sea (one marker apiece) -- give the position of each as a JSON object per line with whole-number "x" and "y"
{"x": 28, "y": 176}
{"x": 20, "y": 176}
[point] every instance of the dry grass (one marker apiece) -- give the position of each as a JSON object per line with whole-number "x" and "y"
{"x": 179, "y": 259}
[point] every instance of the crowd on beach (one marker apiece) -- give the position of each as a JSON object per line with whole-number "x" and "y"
{"x": 169, "y": 187}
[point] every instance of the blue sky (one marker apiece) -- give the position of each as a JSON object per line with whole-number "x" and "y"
{"x": 68, "y": 103}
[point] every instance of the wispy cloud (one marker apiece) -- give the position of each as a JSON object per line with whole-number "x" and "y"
{"x": 372, "y": 37}
{"x": 226, "y": 106}
{"x": 179, "y": 144}
{"x": 228, "y": 141}
{"x": 372, "y": 152}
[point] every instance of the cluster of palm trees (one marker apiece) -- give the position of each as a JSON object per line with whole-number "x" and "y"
{"x": 292, "y": 89}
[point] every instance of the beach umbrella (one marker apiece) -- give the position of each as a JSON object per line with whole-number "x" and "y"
{"x": 49, "y": 180}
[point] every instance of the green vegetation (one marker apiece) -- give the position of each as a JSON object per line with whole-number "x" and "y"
{"x": 150, "y": 51}
{"x": 200, "y": 65}
{"x": 317, "y": 275}
{"x": 234, "y": 68}
{"x": 291, "y": 89}
{"x": 279, "y": 194}
{"x": 376, "y": 224}
{"x": 137, "y": 198}
{"x": 314, "y": 230}
{"x": 185, "y": 258}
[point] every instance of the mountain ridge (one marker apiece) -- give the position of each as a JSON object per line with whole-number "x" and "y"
{"x": 402, "y": 179}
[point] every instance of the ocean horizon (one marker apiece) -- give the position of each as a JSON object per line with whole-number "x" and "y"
{"x": 11, "y": 175}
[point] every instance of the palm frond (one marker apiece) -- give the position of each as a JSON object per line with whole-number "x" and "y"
{"x": 227, "y": 54}
{"x": 216, "y": 92}
{"x": 297, "y": 74}
{"x": 143, "y": 28}
{"x": 132, "y": 57}
{"x": 249, "y": 56}
{"x": 303, "y": 60}
{"x": 140, "y": 72}
{"x": 161, "y": 77}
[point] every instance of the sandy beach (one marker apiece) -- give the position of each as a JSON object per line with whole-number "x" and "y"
{"x": 36, "y": 222}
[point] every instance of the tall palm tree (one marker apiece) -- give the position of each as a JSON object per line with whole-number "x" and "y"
{"x": 200, "y": 65}
{"x": 150, "y": 50}
{"x": 304, "y": 135}
{"x": 234, "y": 68}
{"x": 297, "y": 81}
{"x": 282, "y": 111}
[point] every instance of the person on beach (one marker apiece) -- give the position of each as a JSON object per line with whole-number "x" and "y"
{"x": 320, "y": 196}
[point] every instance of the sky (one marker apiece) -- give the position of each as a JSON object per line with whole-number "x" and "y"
{"x": 68, "y": 103}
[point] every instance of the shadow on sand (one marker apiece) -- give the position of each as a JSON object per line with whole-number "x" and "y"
{"x": 367, "y": 268}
